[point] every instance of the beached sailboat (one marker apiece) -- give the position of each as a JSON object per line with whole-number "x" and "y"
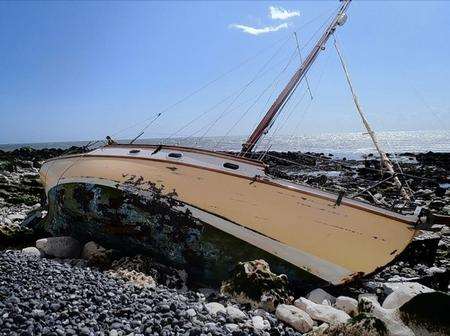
{"x": 237, "y": 210}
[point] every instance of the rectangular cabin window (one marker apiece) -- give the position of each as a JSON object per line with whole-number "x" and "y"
{"x": 134, "y": 151}
{"x": 230, "y": 165}
{"x": 175, "y": 155}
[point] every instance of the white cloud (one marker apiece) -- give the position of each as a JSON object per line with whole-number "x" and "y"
{"x": 278, "y": 13}
{"x": 257, "y": 31}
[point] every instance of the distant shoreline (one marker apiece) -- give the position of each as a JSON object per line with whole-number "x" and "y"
{"x": 350, "y": 145}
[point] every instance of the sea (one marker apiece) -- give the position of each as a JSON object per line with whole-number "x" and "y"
{"x": 350, "y": 145}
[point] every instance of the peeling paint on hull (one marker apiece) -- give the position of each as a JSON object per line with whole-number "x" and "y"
{"x": 302, "y": 226}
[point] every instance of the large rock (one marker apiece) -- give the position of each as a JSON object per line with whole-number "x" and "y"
{"x": 427, "y": 313}
{"x": 347, "y": 304}
{"x": 253, "y": 282}
{"x": 59, "y": 247}
{"x": 321, "y": 312}
{"x": 318, "y": 295}
{"x": 96, "y": 254}
{"x": 295, "y": 317}
{"x": 401, "y": 292}
{"x": 235, "y": 313}
{"x": 214, "y": 308}
{"x": 390, "y": 317}
{"x": 32, "y": 251}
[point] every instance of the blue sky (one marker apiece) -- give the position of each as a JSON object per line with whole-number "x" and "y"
{"x": 82, "y": 70}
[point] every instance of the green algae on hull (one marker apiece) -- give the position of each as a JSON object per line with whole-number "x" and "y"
{"x": 154, "y": 223}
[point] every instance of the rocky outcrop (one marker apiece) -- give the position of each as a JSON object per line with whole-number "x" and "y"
{"x": 253, "y": 282}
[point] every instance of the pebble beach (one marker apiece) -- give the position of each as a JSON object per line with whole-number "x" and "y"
{"x": 66, "y": 287}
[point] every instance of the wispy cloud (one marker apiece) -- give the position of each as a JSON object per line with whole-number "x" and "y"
{"x": 278, "y": 13}
{"x": 258, "y": 31}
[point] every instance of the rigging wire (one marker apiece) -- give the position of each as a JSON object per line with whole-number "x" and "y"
{"x": 223, "y": 100}
{"x": 242, "y": 91}
{"x": 261, "y": 51}
{"x": 239, "y": 90}
{"x": 257, "y": 99}
{"x": 157, "y": 115}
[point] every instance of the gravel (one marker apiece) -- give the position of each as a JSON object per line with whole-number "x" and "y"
{"x": 41, "y": 296}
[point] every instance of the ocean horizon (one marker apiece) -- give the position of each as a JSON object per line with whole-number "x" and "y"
{"x": 350, "y": 144}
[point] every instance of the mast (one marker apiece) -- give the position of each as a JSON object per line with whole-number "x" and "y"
{"x": 383, "y": 157}
{"x": 284, "y": 96}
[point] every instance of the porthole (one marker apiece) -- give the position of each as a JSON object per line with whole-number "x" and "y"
{"x": 230, "y": 165}
{"x": 134, "y": 151}
{"x": 175, "y": 155}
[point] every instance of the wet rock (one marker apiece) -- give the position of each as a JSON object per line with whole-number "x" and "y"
{"x": 295, "y": 317}
{"x": 253, "y": 282}
{"x": 59, "y": 247}
{"x": 32, "y": 251}
{"x": 347, "y": 304}
{"x": 318, "y": 295}
{"x": 401, "y": 292}
{"x": 321, "y": 312}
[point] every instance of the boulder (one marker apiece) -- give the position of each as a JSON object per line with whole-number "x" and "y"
{"x": 318, "y": 295}
{"x": 253, "y": 282}
{"x": 427, "y": 313}
{"x": 96, "y": 254}
{"x": 235, "y": 314}
{"x": 295, "y": 317}
{"x": 215, "y": 307}
{"x": 59, "y": 247}
{"x": 390, "y": 317}
{"x": 347, "y": 304}
{"x": 321, "y": 312}
{"x": 32, "y": 251}
{"x": 401, "y": 292}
